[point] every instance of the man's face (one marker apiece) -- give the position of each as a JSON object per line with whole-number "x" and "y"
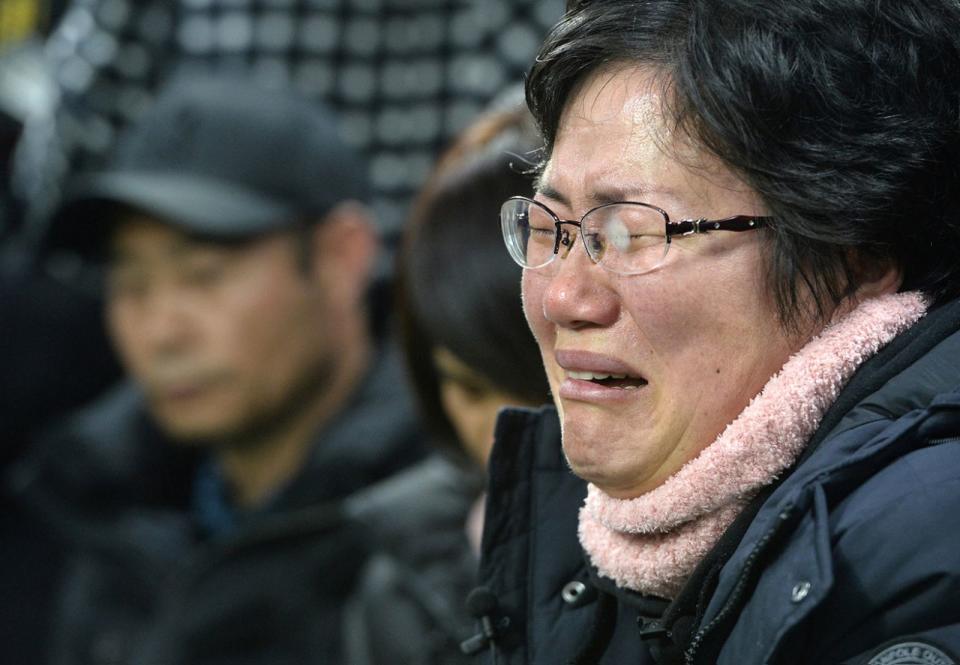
{"x": 223, "y": 339}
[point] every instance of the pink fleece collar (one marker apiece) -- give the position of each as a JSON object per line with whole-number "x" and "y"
{"x": 653, "y": 542}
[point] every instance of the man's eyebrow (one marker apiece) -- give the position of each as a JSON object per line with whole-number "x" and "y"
{"x": 119, "y": 254}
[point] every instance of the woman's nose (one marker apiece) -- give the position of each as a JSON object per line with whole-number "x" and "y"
{"x": 577, "y": 292}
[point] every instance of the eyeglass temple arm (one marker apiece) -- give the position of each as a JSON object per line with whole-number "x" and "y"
{"x": 736, "y": 223}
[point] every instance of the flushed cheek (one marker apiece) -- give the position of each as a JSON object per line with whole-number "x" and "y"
{"x": 693, "y": 331}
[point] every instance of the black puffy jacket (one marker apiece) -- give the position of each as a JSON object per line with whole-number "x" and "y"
{"x": 147, "y": 586}
{"x": 853, "y": 557}
{"x": 408, "y": 608}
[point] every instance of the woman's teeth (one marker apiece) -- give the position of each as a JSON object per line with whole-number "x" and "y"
{"x": 610, "y": 380}
{"x": 591, "y": 376}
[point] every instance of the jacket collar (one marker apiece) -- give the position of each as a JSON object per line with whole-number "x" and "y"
{"x": 904, "y": 382}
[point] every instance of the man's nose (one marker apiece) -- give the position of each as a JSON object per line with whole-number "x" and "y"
{"x": 168, "y": 322}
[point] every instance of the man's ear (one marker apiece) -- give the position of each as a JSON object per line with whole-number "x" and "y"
{"x": 345, "y": 247}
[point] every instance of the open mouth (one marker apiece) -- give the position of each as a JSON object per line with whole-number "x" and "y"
{"x": 621, "y": 381}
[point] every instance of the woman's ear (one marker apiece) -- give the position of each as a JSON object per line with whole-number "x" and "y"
{"x": 876, "y": 277}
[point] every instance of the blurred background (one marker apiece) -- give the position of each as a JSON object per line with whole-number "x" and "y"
{"x": 404, "y": 77}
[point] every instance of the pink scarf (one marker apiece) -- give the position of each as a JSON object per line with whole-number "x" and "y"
{"x": 652, "y": 543}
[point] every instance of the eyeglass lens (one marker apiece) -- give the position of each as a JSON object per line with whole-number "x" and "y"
{"x": 622, "y": 237}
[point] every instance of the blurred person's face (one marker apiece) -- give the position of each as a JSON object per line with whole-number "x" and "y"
{"x": 647, "y": 370}
{"x": 225, "y": 339}
{"x": 471, "y": 402}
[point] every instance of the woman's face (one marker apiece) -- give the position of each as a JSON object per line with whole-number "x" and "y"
{"x": 696, "y": 338}
{"x": 471, "y": 402}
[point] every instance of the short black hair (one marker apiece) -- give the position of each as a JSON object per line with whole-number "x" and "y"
{"x": 457, "y": 286}
{"x": 844, "y": 117}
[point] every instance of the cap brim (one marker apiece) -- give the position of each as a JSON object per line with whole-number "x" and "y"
{"x": 197, "y": 205}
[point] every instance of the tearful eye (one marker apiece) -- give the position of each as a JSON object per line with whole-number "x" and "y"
{"x": 595, "y": 243}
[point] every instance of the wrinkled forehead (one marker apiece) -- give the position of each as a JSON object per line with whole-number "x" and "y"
{"x": 626, "y": 92}
{"x": 619, "y": 130}
{"x": 616, "y": 111}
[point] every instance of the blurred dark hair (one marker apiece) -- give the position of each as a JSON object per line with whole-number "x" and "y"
{"x": 457, "y": 286}
{"x": 842, "y": 115}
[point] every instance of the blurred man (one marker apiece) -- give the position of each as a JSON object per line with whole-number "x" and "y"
{"x": 202, "y": 496}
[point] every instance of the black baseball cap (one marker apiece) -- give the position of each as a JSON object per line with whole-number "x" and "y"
{"x": 218, "y": 156}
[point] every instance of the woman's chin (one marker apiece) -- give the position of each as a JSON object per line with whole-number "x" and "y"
{"x": 617, "y": 473}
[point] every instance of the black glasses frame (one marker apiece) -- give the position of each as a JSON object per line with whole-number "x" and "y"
{"x": 684, "y": 227}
